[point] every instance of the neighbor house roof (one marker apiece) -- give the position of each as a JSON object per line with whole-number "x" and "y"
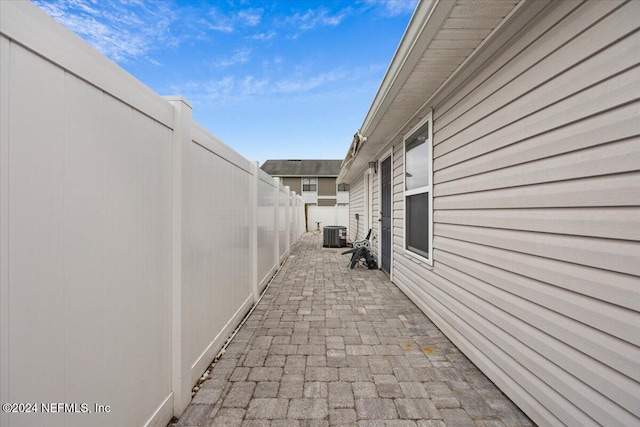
{"x": 440, "y": 40}
{"x": 302, "y": 167}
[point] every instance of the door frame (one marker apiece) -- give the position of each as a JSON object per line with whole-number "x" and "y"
{"x": 367, "y": 180}
{"x": 386, "y": 155}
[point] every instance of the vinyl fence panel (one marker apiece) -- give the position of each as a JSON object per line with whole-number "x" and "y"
{"x": 126, "y": 234}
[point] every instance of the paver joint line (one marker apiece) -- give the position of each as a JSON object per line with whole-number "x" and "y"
{"x": 328, "y": 346}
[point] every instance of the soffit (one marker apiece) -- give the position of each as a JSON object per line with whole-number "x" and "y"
{"x": 450, "y": 32}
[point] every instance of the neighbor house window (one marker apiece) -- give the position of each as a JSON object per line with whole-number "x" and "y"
{"x": 309, "y": 184}
{"x": 418, "y": 194}
{"x": 343, "y": 187}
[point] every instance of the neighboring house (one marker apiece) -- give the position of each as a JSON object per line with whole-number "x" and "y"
{"x": 315, "y": 180}
{"x": 504, "y": 195}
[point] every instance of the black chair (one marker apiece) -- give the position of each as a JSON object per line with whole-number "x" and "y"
{"x": 364, "y": 243}
{"x": 361, "y": 250}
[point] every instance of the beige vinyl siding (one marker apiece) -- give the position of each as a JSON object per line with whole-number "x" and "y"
{"x": 294, "y": 184}
{"x": 356, "y": 206}
{"x": 376, "y": 215}
{"x": 326, "y": 186}
{"x": 326, "y": 202}
{"x": 536, "y": 223}
{"x": 398, "y": 199}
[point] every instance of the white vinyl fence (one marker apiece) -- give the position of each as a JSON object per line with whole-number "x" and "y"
{"x": 327, "y": 215}
{"x": 132, "y": 241}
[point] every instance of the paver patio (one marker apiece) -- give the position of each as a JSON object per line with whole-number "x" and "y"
{"x": 329, "y": 346}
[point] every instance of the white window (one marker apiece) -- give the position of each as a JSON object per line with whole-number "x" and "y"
{"x": 309, "y": 184}
{"x": 418, "y": 194}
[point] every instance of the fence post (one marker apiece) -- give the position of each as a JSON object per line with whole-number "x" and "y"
{"x": 300, "y": 229}
{"x": 181, "y": 138}
{"x": 287, "y": 219}
{"x": 4, "y": 225}
{"x": 294, "y": 211}
{"x": 253, "y": 194}
{"x": 302, "y": 218}
{"x": 276, "y": 219}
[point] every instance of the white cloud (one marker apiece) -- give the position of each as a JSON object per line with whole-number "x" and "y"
{"x": 234, "y": 88}
{"x": 270, "y": 63}
{"x": 240, "y": 56}
{"x": 228, "y": 23}
{"x": 264, "y": 36}
{"x": 219, "y": 21}
{"x": 125, "y": 30}
{"x": 250, "y": 17}
{"x": 391, "y": 8}
{"x": 305, "y": 84}
{"x": 119, "y": 33}
{"x": 83, "y": 5}
{"x": 253, "y": 86}
{"x": 316, "y": 17}
{"x": 225, "y": 89}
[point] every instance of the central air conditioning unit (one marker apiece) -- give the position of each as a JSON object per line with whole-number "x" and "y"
{"x": 334, "y": 236}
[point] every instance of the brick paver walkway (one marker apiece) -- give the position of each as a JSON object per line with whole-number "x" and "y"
{"x": 330, "y": 346}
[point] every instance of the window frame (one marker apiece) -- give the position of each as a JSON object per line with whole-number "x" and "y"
{"x": 311, "y": 182}
{"x": 420, "y": 190}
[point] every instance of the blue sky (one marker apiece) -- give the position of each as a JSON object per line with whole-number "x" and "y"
{"x": 272, "y": 79}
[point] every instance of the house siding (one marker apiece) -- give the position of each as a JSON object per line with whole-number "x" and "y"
{"x": 326, "y": 202}
{"x": 376, "y": 214}
{"x": 294, "y": 184}
{"x": 398, "y": 199}
{"x": 326, "y": 186}
{"x": 356, "y": 206}
{"x": 536, "y": 207}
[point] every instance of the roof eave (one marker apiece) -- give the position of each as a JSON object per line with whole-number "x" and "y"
{"x": 414, "y": 41}
{"x": 421, "y": 31}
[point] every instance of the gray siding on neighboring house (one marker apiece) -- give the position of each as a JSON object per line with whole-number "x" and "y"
{"x": 294, "y": 184}
{"x": 327, "y": 186}
{"x": 537, "y": 199}
{"x": 326, "y": 202}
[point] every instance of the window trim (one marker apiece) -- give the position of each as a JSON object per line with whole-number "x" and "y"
{"x": 312, "y": 182}
{"x": 421, "y": 190}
